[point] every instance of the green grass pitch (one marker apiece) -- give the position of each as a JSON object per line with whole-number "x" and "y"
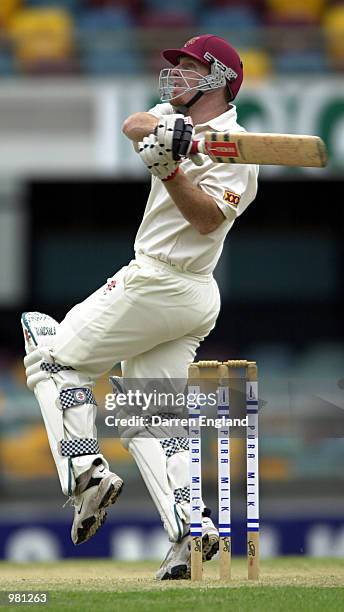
{"x": 286, "y": 584}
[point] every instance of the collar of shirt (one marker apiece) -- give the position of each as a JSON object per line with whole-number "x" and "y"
{"x": 222, "y": 123}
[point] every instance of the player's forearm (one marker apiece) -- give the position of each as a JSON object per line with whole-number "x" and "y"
{"x": 139, "y": 125}
{"x": 196, "y": 206}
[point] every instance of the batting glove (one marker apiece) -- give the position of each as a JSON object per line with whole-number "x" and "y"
{"x": 158, "y": 158}
{"x": 175, "y": 134}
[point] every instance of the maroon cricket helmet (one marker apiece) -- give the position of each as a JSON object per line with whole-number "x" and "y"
{"x": 197, "y": 46}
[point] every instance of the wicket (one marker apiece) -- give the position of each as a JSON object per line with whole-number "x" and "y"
{"x": 223, "y": 372}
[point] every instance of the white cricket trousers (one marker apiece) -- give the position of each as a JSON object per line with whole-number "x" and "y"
{"x": 148, "y": 316}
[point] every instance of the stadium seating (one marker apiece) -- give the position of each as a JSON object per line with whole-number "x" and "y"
{"x": 240, "y": 24}
{"x": 41, "y": 37}
{"x": 231, "y": 18}
{"x": 191, "y": 6}
{"x": 7, "y": 64}
{"x": 289, "y": 11}
{"x": 166, "y": 19}
{"x": 334, "y": 35}
{"x": 100, "y": 61}
{"x": 301, "y": 62}
{"x": 104, "y": 20}
{"x": 68, "y": 5}
{"x": 257, "y": 63}
{"x": 115, "y": 36}
{"x": 7, "y": 9}
{"x": 105, "y": 49}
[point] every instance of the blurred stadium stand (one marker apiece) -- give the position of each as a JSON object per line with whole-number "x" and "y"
{"x": 100, "y": 37}
{"x": 42, "y": 40}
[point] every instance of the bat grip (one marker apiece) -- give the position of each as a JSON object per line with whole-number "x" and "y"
{"x": 195, "y": 147}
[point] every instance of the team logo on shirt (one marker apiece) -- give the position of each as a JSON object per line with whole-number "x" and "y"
{"x": 231, "y": 198}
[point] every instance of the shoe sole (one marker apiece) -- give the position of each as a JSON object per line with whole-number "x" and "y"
{"x": 90, "y": 525}
{"x": 210, "y": 546}
{"x": 178, "y": 572}
{"x": 112, "y": 494}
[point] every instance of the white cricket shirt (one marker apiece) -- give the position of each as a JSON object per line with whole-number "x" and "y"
{"x": 166, "y": 235}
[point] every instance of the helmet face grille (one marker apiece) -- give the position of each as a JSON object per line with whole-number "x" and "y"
{"x": 171, "y": 79}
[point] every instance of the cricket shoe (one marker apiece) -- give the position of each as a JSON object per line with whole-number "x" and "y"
{"x": 95, "y": 490}
{"x": 177, "y": 563}
{"x": 210, "y": 537}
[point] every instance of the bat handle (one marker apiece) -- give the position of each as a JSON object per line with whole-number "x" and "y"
{"x": 197, "y": 147}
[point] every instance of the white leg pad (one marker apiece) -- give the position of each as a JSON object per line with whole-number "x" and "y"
{"x": 164, "y": 467}
{"x": 74, "y": 424}
{"x": 151, "y": 461}
{"x": 66, "y": 402}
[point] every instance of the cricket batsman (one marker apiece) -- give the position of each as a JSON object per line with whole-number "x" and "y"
{"x": 152, "y": 314}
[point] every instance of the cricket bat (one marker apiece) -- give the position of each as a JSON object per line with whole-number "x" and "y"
{"x": 263, "y": 149}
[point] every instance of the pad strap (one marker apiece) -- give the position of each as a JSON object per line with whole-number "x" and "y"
{"x": 53, "y": 368}
{"x": 182, "y": 495}
{"x": 75, "y": 397}
{"x": 172, "y": 446}
{"x": 78, "y": 447}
